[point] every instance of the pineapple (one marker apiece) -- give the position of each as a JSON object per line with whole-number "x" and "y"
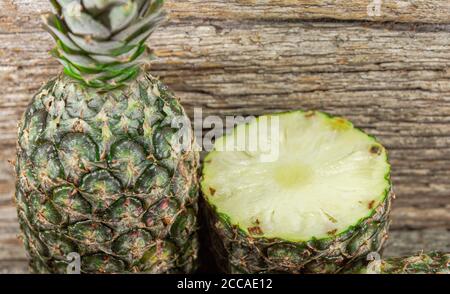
{"x": 101, "y": 171}
{"x": 321, "y": 203}
{"x": 432, "y": 263}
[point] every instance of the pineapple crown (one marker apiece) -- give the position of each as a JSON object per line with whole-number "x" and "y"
{"x": 101, "y": 43}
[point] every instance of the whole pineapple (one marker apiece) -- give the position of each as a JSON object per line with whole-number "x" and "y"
{"x": 101, "y": 170}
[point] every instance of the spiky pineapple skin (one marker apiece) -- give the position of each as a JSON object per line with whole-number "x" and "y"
{"x": 431, "y": 263}
{"x": 239, "y": 253}
{"x": 101, "y": 175}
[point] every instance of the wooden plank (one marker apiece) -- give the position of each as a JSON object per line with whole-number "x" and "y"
{"x": 393, "y": 83}
{"x": 13, "y": 267}
{"x": 405, "y": 11}
{"x": 10, "y": 245}
{"x": 422, "y": 11}
{"x": 404, "y": 242}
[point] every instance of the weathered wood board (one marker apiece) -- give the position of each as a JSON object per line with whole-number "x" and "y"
{"x": 389, "y": 73}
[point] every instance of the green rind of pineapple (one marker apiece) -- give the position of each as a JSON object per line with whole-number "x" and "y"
{"x": 237, "y": 252}
{"x": 239, "y": 249}
{"x": 431, "y": 263}
{"x": 101, "y": 172}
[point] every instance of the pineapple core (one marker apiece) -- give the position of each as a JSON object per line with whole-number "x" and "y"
{"x": 291, "y": 175}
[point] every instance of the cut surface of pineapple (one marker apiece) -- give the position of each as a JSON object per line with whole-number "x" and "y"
{"x": 326, "y": 177}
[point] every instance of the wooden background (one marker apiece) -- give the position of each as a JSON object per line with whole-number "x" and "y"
{"x": 390, "y": 74}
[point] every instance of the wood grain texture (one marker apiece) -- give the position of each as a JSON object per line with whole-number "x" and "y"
{"x": 408, "y": 11}
{"x": 420, "y": 11}
{"x": 252, "y": 57}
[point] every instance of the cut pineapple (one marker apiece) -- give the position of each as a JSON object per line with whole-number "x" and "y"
{"x": 329, "y": 182}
